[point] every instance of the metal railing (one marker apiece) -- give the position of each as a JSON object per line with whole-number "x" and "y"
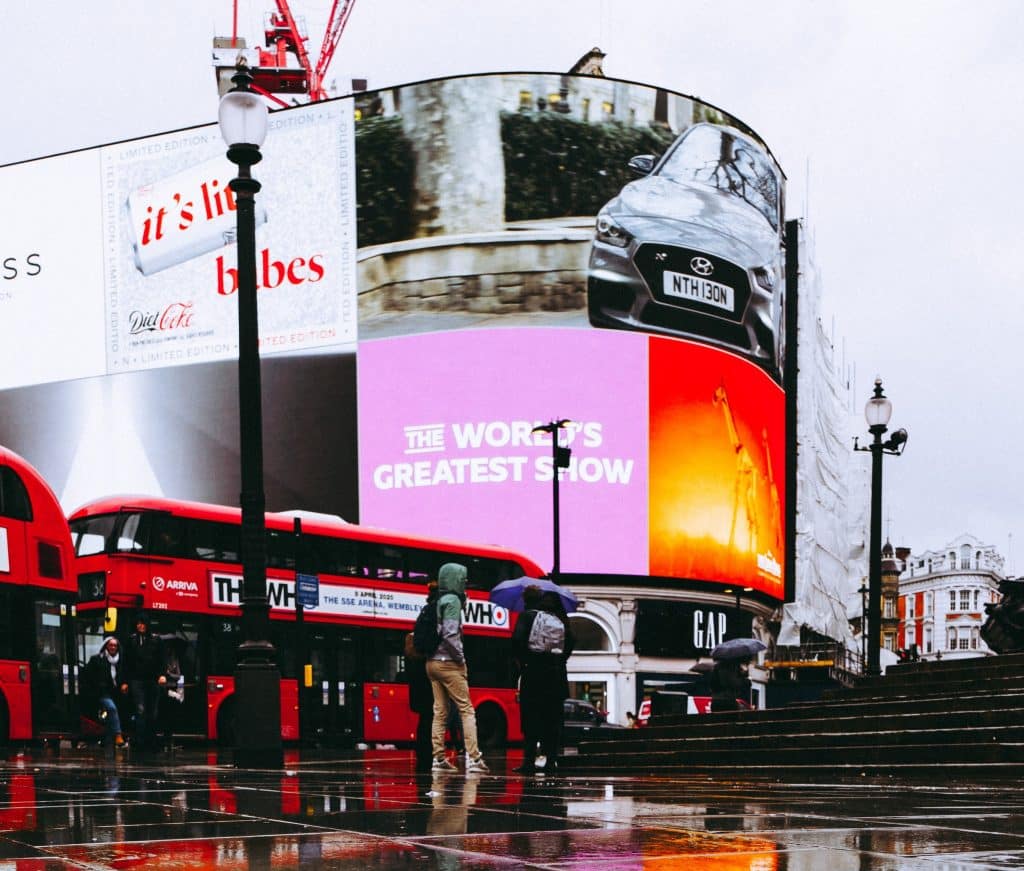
{"x": 845, "y": 665}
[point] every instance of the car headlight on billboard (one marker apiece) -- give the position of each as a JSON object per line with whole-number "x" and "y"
{"x": 766, "y": 277}
{"x": 612, "y": 233}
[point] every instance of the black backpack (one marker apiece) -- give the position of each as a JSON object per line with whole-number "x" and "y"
{"x": 425, "y": 635}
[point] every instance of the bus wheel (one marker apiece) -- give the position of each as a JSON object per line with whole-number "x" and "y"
{"x": 491, "y": 727}
{"x": 226, "y": 724}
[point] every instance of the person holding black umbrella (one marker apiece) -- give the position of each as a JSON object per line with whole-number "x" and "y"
{"x": 729, "y": 683}
{"x": 541, "y": 644}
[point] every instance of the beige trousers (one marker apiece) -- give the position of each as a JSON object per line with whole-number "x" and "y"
{"x": 448, "y": 681}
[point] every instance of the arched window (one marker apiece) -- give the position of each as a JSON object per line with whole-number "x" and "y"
{"x": 14, "y": 501}
{"x": 588, "y": 635}
{"x": 977, "y": 560}
{"x": 965, "y": 556}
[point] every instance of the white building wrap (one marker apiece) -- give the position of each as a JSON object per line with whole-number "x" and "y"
{"x": 833, "y": 482}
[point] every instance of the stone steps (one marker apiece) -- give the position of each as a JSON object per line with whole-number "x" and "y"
{"x": 960, "y": 718}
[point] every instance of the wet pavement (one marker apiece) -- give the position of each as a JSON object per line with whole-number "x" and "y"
{"x": 89, "y": 808}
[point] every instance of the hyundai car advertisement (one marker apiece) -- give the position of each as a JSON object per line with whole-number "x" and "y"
{"x": 443, "y": 269}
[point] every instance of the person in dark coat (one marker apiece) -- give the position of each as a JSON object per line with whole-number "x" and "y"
{"x": 147, "y": 681}
{"x": 543, "y": 683}
{"x": 172, "y": 693}
{"x": 104, "y": 682}
{"x": 729, "y": 683}
{"x": 421, "y": 695}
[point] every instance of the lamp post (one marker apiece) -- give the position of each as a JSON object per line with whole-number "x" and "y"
{"x": 877, "y": 413}
{"x": 559, "y": 460}
{"x": 243, "y": 124}
{"x": 863, "y": 626}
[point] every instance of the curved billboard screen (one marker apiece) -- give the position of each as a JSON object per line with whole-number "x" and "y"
{"x": 443, "y": 267}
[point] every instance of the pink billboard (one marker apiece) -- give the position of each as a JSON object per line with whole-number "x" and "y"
{"x": 446, "y": 448}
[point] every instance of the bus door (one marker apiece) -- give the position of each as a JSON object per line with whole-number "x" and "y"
{"x": 54, "y": 674}
{"x": 331, "y": 705}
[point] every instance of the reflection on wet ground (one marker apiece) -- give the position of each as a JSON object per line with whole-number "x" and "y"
{"x": 87, "y": 809}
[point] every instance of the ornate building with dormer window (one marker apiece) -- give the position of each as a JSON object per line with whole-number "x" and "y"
{"x": 942, "y": 598}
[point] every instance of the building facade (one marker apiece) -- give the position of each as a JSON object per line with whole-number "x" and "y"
{"x": 641, "y": 638}
{"x": 942, "y": 598}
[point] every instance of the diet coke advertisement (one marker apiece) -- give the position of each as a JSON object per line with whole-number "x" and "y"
{"x": 170, "y": 258}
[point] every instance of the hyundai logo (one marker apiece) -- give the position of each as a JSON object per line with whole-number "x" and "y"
{"x": 701, "y": 265}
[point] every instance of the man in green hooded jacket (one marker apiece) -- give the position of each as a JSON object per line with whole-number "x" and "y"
{"x": 447, "y": 671}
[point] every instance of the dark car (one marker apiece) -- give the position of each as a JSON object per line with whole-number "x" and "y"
{"x": 694, "y": 249}
{"x": 581, "y": 718}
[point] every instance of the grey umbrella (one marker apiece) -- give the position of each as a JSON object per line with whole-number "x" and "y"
{"x": 738, "y": 648}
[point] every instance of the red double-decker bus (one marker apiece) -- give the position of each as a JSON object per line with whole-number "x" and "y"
{"x": 37, "y": 599}
{"x": 341, "y": 661}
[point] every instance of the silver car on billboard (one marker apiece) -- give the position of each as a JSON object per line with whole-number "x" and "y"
{"x": 695, "y": 248}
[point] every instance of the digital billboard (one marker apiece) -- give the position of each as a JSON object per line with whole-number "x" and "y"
{"x": 442, "y": 267}
{"x": 627, "y": 274}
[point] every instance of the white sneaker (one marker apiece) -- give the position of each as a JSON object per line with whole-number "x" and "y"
{"x": 442, "y": 764}
{"x": 477, "y": 764}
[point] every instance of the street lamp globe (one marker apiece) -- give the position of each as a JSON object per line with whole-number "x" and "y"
{"x": 878, "y": 409}
{"x": 243, "y": 118}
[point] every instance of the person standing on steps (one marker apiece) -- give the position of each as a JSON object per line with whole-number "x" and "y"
{"x": 449, "y": 676}
{"x": 729, "y": 684}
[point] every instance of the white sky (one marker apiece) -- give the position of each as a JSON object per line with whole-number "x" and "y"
{"x": 874, "y": 108}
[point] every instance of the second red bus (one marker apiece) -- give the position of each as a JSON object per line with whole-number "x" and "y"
{"x": 341, "y": 664}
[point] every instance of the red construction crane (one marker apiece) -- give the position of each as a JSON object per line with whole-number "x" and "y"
{"x": 284, "y": 67}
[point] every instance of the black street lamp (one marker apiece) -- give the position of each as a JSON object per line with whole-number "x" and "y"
{"x": 877, "y": 413}
{"x": 863, "y": 626}
{"x": 243, "y": 124}
{"x": 559, "y": 460}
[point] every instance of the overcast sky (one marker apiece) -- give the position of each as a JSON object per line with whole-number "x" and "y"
{"x": 898, "y": 124}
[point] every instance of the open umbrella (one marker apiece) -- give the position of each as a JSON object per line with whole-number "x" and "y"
{"x": 509, "y": 594}
{"x": 738, "y": 648}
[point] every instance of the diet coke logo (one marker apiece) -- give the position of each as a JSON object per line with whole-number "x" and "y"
{"x": 177, "y": 316}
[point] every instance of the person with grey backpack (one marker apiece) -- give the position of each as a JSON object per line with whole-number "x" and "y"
{"x": 541, "y": 644}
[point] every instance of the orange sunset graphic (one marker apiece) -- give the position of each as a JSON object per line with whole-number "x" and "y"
{"x": 717, "y": 466}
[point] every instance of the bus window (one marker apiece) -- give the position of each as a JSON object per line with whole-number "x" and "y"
{"x": 14, "y": 501}
{"x": 130, "y": 538}
{"x": 47, "y": 699}
{"x": 280, "y": 549}
{"x": 91, "y": 631}
{"x": 333, "y": 556}
{"x": 90, "y": 534}
{"x": 223, "y": 636}
{"x": 215, "y": 541}
{"x": 423, "y": 565}
{"x": 167, "y": 537}
{"x": 383, "y": 561}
